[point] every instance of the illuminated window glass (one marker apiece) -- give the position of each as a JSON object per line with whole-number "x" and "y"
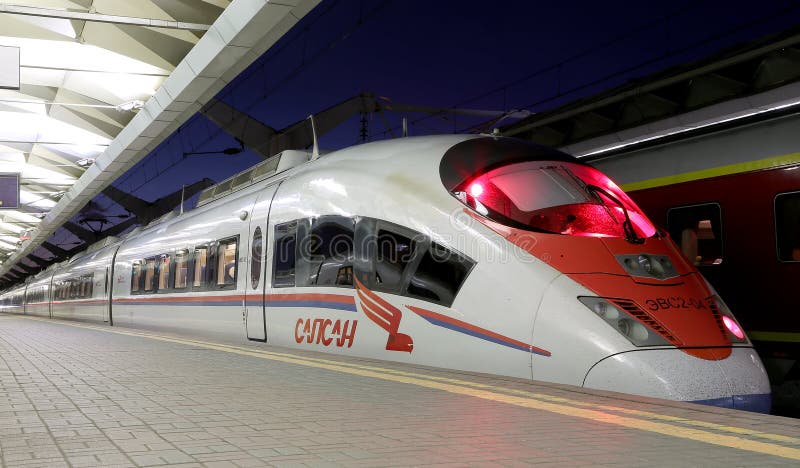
{"x": 181, "y": 269}
{"x": 787, "y": 226}
{"x": 697, "y": 230}
{"x": 136, "y": 276}
{"x": 149, "y": 274}
{"x": 200, "y": 267}
{"x": 163, "y": 272}
{"x": 226, "y": 262}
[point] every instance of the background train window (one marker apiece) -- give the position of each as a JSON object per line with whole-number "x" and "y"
{"x": 164, "y": 264}
{"x": 697, "y": 230}
{"x": 227, "y": 254}
{"x": 439, "y": 275}
{"x": 200, "y": 267}
{"x": 256, "y": 251}
{"x": 285, "y": 255}
{"x": 181, "y": 269}
{"x": 136, "y": 276}
{"x": 149, "y": 274}
{"x": 327, "y": 253}
{"x": 787, "y": 226}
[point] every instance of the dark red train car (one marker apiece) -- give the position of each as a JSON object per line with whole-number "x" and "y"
{"x": 742, "y": 230}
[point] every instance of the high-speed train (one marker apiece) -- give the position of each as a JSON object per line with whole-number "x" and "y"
{"x": 477, "y": 253}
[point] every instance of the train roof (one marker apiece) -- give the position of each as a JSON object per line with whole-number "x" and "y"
{"x": 454, "y": 154}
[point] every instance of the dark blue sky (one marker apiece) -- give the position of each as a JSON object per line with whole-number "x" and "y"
{"x": 498, "y": 55}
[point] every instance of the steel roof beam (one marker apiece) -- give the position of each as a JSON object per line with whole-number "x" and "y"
{"x": 241, "y": 34}
{"x": 99, "y": 17}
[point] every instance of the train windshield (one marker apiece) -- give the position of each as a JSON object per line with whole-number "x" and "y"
{"x": 556, "y": 197}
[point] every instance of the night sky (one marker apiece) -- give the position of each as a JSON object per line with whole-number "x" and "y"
{"x": 500, "y": 55}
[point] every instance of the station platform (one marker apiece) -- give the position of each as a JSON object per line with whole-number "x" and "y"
{"x": 76, "y": 394}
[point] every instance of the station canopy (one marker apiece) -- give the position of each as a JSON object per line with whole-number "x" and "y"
{"x": 89, "y": 87}
{"x": 85, "y": 68}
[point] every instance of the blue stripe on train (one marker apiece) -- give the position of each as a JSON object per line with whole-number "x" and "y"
{"x": 757, "y": 403}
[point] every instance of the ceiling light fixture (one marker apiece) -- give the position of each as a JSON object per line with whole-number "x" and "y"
{"x": 131, "y": 106}
{"x": 85, "y": 162}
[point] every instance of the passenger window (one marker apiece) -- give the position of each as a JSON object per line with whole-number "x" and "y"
{"x": 285, "y": 255}
{"x": 226, "y": 262}
{"x": 181, "y": 269}
{"x": 89, "y": 281}
{"x": 439, "y": 275}
{"x": 256, "y": 251}
{"x": 327, "y": 253}
{"x": 163, "y": 272}
{"x": 393, "y": 254}
{"x": 200, "y": 267}
{"x": 787, "y": 226}
{"x": 698, "y": 231}
{"x": 136, "y": 276}
{"x": 149, "y": 274}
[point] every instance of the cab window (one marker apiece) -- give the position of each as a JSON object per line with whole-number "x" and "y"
{"x": 439, "y": 275}
{"x": 327, "y": 253}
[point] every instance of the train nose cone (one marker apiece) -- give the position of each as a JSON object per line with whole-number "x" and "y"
{"x": 738, "y": 381}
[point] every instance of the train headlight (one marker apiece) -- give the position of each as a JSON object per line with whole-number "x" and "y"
{"x": 625, "y": 324}
{"x": 735, "y": 332}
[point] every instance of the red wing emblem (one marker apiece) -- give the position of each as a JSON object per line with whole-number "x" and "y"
{"x": 386, "y": 316}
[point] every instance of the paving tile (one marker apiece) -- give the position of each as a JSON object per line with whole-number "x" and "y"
{"x": 77, "y": 397}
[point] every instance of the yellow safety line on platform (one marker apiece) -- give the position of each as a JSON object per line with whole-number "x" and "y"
{"x": 767, "y": 163}
{"x": 528, "y": 401}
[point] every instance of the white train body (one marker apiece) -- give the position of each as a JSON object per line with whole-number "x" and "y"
{"x": 382, "y": 251}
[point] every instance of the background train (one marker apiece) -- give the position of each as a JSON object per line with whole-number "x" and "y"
{"x": 731, "y": 200}
{"x": 478, "y": 253}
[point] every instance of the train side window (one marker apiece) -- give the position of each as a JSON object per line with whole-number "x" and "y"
{"x": 227, "y": 254}
{"x": 88, "y": 281}
{"x": 200, "y": 266}
{"x": 285, "y": 255}
{"x": 787, "y": 226}
{"x": 181, "y": 269}
{"x": 697, "y": 229}
{"x": 149, "y": 274}
{"x": 136, "y": 276}
{"x": 439, "y": 275}
{"x": 256, "y": 251}
{"x": 165, "y": 261}
{"x": 327, "y": 253}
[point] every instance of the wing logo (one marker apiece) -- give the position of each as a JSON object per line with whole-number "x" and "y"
{"x": 385, "y": 316}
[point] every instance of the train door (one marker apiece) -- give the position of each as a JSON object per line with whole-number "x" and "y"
{"x": 106, "y": 310}
{"x": 255, "y": 288}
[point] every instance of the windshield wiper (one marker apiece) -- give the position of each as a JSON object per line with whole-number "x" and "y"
{"x": 627, "y": 225}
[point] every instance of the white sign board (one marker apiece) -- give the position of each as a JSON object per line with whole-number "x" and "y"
{"x": 9, "y": 67}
